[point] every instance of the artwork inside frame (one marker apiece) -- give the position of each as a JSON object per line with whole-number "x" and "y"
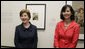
{"x": 78, "y": 7}
{"x": 38, "y": 15}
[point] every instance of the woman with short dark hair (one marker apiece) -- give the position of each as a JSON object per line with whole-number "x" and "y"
{"x": 67, "y": 30}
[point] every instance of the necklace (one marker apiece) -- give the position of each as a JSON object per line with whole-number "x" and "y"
{"x": 66, "y": 25}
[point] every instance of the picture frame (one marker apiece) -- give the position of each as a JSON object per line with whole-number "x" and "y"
{"x": 38, "y": 15}
{"x": 78, "y": 6}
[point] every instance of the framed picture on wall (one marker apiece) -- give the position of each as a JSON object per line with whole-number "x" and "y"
{"x": 38, "y": 15}
{"x": 78, "y": 7}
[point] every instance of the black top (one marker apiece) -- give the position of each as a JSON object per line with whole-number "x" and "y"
{"x": 26, "y": 37}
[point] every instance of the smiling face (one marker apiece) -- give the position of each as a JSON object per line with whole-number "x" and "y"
{"x": 67, "y": 13}
{"x": 25, "y": 15}
{"x": 24, "y": 18}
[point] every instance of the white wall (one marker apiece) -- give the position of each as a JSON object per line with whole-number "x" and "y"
{"x": 10, "y": 18}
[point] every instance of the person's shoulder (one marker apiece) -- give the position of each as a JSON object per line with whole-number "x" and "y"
{"x": 76, "y": 24}
{"x": 58, "y": 23}
{"x": 19, "y": 26}
{"x": 33, "y": 26}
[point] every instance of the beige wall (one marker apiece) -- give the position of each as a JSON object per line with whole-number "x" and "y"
{"x": 10, "y": 18}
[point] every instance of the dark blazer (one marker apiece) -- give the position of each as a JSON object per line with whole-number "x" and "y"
{"x": 25, "y": 37}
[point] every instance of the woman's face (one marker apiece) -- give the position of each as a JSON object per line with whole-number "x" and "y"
{"x": 67, "y": 13}
{"x": 81, "y": 11}
{"x": 24, "y": 18}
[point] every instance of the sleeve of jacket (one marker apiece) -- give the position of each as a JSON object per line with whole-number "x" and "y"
{"x": 75, "y": 37}
{"x": 16, "y": 39}
{"x": 56, "y": 36}
{"x": 35, "y": 39}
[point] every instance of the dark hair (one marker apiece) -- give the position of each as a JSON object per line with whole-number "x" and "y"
{"x": 72, "y": 17}
{"x": 25, "y": 11}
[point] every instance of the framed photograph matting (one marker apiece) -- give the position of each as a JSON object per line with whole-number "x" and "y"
{"x": 38, "y": 15}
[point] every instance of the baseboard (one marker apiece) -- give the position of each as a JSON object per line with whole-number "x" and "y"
{"x": 7, "y": 47}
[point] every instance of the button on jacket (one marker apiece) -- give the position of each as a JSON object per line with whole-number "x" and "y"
{"x": 25, "y": 37}
{"x": 66, "y": 38}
